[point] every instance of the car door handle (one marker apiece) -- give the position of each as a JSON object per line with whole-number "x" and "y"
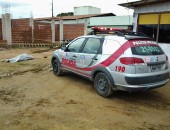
{"x": 75, "y": 56}
{"x": 94, "y": 59}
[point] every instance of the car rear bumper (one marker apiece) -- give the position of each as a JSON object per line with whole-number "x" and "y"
{"x": 142, "y": 87}
{"x": 144, "y": 83}
{"x": 152, "y": 79}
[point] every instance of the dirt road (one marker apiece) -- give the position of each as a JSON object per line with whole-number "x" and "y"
{"x": 32, "y": 98}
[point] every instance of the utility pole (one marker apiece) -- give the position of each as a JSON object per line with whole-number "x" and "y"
{"x": 52, "y": 25}
{"x": 52, "y": 9}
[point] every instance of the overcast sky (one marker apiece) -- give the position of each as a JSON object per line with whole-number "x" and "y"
{"x": 42, "y": 8}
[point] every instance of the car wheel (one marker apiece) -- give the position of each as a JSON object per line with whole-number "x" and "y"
{"x": 103, "y": 85}
{"x": 56, "y": 67}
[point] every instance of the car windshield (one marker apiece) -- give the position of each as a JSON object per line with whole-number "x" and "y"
{"x": 147, "y": 50}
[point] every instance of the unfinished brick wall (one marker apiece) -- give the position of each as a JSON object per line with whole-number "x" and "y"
{"x": 72, "y": 31}
{"x": 42, "y": 32}
{"x": 21, "y": 31}
{"x": 1, "y": 37}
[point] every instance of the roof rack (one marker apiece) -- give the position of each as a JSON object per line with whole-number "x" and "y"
{"x": 124, "y": 33}
{"x": 132, "y": 35}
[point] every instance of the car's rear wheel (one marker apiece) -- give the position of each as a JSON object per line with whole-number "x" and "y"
{"x": 56, "y": 67}
{"x": 103, "y": 85}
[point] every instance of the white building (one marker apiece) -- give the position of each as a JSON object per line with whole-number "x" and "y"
{"x": 83, "y": 10}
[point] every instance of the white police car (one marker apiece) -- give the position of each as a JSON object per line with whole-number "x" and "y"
{"x": 123, "y": 61}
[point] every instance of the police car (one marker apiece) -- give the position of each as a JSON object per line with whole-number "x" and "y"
{"x": 120, "y": 61}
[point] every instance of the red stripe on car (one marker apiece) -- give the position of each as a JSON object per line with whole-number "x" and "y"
{"x": 115, "y": 55}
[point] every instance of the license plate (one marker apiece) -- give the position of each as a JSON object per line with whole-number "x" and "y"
{"x": 155, "y": 68}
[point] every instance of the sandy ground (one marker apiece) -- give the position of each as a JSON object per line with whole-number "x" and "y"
{"x": 32, "y": 98}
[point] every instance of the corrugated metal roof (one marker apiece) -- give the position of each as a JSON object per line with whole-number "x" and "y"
{"x": 141, "y": 3}
{"x": 74, "y": 17}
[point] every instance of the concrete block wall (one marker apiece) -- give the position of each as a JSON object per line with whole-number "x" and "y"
{"x": 21, "y": 31}
{"x": 42, "y": 32}
{"x": 71, "y": 31}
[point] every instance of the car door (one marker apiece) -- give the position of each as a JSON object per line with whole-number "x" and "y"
{"x": 89, "y": 55}
{"x": 70, "y": 55}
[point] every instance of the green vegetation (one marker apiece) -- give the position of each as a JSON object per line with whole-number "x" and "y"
{"x": 66, "y": 14}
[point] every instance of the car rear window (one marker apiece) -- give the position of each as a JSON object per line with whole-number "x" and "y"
{"x": 147, "y": 50}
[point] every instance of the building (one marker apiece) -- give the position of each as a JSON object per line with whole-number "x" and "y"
{"x": 71, "y": 27}
{"x": 112, "y": 21}
{"x": 83, "y": 10}
{"x": 152, "y": 17}
{"x": 83, "y": 19}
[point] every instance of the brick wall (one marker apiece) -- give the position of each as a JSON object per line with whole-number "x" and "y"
{"x": 1, "y": 30}
{"x": 42, "y": 32}
{"x": 21, "y": 31}
{"x": 72, "y": 31}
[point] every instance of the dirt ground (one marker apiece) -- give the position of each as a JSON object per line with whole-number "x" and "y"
{"x": 32, "y": 98}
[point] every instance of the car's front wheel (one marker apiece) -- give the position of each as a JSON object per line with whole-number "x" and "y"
{"x": 103, "y": 85}
{"x": 56, "y": 67}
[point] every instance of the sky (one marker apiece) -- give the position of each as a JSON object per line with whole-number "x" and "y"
{"x": 42, "y": 8}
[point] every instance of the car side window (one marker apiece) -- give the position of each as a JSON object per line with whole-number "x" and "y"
{"x": 110, "y": 46}
{"x": 75, "y": 45}
{"x": 92, "y": 46}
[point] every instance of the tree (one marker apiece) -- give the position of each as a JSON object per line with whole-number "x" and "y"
{"x": 66, "y": 14}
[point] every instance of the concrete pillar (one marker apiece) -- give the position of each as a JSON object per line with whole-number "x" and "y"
{"x": 32, "y": 27}
{"x": 135, "y": 22}
{"x": 6, "y": 28}
{"x": 61, "y": 31}
{"x": 85, "y": 26}
{"x": 53, "y": 30}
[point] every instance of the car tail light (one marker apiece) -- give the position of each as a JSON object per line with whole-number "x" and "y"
{"x": 131, "y": 60}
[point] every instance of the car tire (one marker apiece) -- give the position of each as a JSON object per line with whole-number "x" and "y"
{"x": 57, "y": 67}
{"x": 103, "y": 85}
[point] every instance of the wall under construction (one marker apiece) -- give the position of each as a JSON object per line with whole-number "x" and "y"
{"x": 40, "y": 32}
{"x": 21, "y": 31}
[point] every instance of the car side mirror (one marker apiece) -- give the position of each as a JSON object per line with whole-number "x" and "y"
{"x": 63, "y": 47}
